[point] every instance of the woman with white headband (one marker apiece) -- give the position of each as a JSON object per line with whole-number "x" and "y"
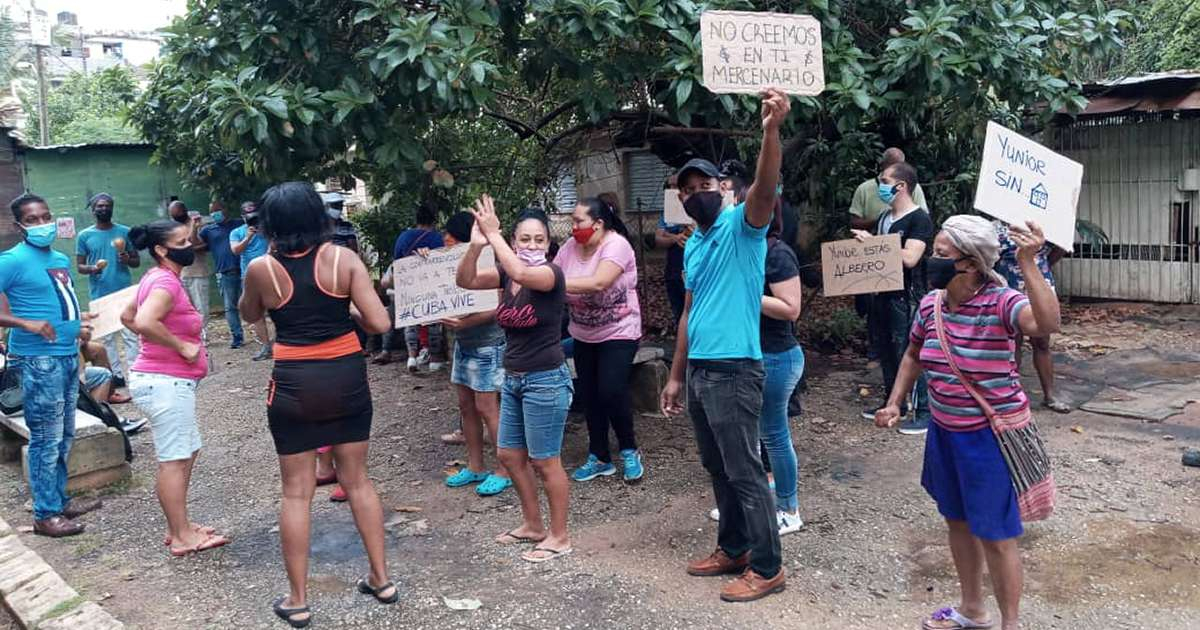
{"x": 985, "y": 466}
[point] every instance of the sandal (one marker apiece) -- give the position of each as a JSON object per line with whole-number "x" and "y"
{"x": 465, "y": 477}
{"x": 952, "y": 615}
{"x": 364, "y": 587}
{"x": 203, "y": 529}
{"x": 1057, "y": 406}
{"x": 212, "y": 542}
{"x": 551, "y": 554}
{"x": 493, "y": 485}
{"x": 289, "y": 614}
{"x": 510, "y": 538}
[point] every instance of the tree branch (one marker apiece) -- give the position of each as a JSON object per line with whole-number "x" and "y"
{"x": 698, "y": 131}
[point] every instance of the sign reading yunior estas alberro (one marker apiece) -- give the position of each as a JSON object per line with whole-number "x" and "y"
{"x": 746, "y": 52}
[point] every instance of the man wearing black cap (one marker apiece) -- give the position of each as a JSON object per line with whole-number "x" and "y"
{"x": 718, "y": 350}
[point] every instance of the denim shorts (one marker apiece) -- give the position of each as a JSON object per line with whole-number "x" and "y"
{"x": 94, "y": 377}
{"x": 170, "y": 404}
{"x": 478, "y": 369}
{"x": 533, "y": 411}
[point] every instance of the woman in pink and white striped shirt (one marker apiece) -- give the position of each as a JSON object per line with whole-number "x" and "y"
{"x": 965, "y": 471}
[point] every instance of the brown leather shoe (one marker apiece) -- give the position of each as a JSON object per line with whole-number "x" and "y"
{"x": 57, "y": 527}
{"x": 79, "y": 506}
{"x": 751, "y": 586}
{"x": 718, "y": 564}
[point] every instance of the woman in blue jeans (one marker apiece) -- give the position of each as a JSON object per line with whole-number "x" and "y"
{"x": 537, "y": 389}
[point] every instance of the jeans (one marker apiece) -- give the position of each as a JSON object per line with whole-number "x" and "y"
{"x": 533, "y": 411}
{"x": 132, "y": 347}
{"x": 50, "y": 386}
{"x": 231, "y": 291}
{"x": 783, "y": 372}
{"x": 889, "y": 325}
{"x": 603, "y": 370}
{"x": 673, "y": 278}
{"x": 437, "y": 345}
{"x": 725, "y": 398}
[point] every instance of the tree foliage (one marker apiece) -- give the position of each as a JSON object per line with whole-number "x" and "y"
{"x": 264, "y": 91}
{"x": 87, "y": 108}
{"x": 1169, "y": 37}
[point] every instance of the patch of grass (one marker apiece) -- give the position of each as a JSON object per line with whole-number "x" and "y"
{"x": 131, "y": 482}
{"x": 84, "y": 544}
{"x": 63, "y": 608}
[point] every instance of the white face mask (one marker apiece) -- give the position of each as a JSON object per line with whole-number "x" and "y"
{"x": 333, "y": 213}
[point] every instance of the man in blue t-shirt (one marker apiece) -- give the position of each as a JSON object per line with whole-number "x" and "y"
{"x": 247, "y": 244}
{"x": 227, "y": 266}
{"x": 424, "y": 236}
{"x": 104, "y": 254}
{"x": 718, "y": 350}
{"x": 44, "y": 346}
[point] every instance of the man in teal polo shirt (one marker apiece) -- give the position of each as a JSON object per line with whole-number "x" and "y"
{"x": 718, "y": 348}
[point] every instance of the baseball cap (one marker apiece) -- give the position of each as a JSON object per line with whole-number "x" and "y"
{"x": 703, "y": 166}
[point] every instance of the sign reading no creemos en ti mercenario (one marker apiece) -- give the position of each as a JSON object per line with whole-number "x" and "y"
{"x": 425, "y": 290}
{"x": 1021, "y": 180}
{"x": 745, "y": 52}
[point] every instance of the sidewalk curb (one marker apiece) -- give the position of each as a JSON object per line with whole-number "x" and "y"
{"x": 37, "y": 597}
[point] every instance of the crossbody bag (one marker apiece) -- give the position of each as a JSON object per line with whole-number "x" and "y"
{"x": 1020, "y": 443}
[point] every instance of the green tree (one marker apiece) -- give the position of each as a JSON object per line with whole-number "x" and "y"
{"x": 377, "y": 88}
{"x": 87, "y": 108}
{"x": 1169, "y": 37}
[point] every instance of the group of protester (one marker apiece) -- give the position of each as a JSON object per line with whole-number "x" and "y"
{"x": 949, "y": 355}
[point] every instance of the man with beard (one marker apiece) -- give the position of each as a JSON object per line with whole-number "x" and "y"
{"x": 719, "y": 351}
{"x": 103, "y": 254}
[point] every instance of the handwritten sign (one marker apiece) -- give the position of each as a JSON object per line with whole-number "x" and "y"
{"x": 425, "y": 290}
{"x": 65, "y": 226}
{"x": 1021, "y": 180}
{"x": 852, "y": 267}
{"x": 108, "y": 311}
{"x": 747, "y": 52}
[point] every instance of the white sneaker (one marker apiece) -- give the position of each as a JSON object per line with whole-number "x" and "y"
{"x": 412, "y": 364}
{"x": 715, "y": 515}
{"x": 436, "y": 366}
{"x": 423, "y": 356}
{"x": 788, "y": 522}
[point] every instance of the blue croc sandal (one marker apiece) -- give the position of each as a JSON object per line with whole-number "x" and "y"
{"x": 493, "y": 485}
{"x": 465, "y": 477}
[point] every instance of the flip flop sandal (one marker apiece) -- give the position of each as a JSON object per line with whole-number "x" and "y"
{"x": 951, "y": 614}
{"x": 203, "y": 529}
{"x": 212, "y": 542}
{"x": 493, "y": 485}
{"x": 1057, "y": 406}
{"x": 364, "y": 587}
{"x": 288, "y": 614}
{"x": 554, "y": 553}
{"x": 517, "y": 540}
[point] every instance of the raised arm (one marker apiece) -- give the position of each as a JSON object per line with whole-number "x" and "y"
{"x": 760, "y": 199}
{"x": 468, "y": 275}
{"x": 540, "y": 278}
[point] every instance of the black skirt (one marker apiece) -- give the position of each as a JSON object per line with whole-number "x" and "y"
{"x": 319, "y": 402}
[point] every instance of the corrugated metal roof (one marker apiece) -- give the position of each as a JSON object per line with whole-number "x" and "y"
{"x": 1174, "y": 91}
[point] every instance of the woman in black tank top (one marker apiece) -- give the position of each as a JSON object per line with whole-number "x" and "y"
{"x": 318, "y": 393}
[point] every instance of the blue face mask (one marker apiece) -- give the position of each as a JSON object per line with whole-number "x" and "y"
{"x": 41, "y": 235}
{"x": 887, "y": 192}
{"x": 218, "y": 216}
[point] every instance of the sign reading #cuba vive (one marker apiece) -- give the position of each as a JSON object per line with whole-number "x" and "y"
{"x": 747, "y": 52}
{"x": 425, "y": 290}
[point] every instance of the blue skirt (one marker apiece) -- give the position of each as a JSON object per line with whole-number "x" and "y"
{"x": 966, "y": 475}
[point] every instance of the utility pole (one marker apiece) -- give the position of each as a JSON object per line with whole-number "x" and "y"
{"x": 43, "y": 118}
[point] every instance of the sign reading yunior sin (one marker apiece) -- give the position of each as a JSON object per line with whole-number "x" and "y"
{"x": 425, "y": 290}
{"x": 747, "y": 52}
{"x": 1021, "y": 180}
{"x": 872, "y": 265}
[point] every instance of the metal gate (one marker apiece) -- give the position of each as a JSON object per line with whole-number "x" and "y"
{"x": 647, "y": 174}
{"x": 1140, "y": 181}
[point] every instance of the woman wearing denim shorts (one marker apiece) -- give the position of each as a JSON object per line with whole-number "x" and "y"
{"x": 164, "y": 377}
{"x": 537, "y": 385}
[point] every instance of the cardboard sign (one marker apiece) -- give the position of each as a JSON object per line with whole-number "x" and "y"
{"x": 66, "y": 227}
{"x": 851, "y": 267}
{"x": 108, "y": 311}
{"x": 673, "y": 212}
{"x": 425, "y": 290}
{"x": 747, "y": 52}
{"x": 1021, "y": 180}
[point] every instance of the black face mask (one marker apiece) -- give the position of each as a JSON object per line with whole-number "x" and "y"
{"x": 182, "y": 256}
{"x": 103, "y": 216}
{"x": 704, "y": 206}
{"x": 940, "y": 271}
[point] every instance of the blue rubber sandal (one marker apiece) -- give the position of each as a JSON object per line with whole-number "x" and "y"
{"x": 493, "y": 485}
{"x": 465, "y": 477}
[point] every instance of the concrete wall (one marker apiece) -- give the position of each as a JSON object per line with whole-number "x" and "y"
{"x": 11, "y": 185}
{"x": 68, "y": 177}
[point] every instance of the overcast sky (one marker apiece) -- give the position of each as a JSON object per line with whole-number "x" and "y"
{"x": 141, "y": 15}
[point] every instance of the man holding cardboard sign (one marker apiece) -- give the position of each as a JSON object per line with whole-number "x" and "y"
{"x": 891, "y": 313}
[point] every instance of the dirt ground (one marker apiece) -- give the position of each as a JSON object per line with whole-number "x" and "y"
{"x": 1122, "y": 551}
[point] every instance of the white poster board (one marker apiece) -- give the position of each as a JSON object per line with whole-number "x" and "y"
{"x": 108, "y": 311}
{"x": 673, "y": 213}
{"x": 1021, "y": 180}
{"x": 425, "y": 291}
{"x": 747, "y": 52}
{"x": 65, "y": 227}
{"x": 873, "y": 265}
